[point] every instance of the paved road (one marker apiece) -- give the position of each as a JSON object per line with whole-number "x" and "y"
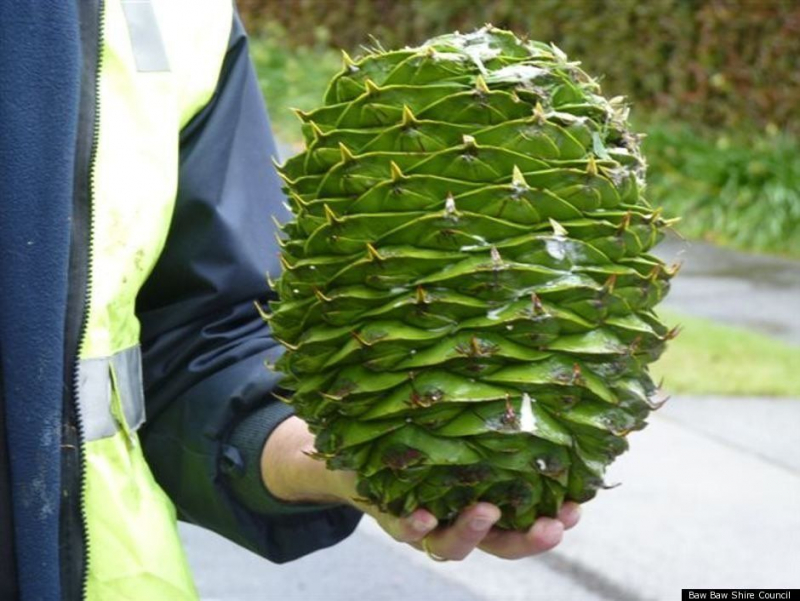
{"x": 709, "y": 497}
{"x": 754, "y": 291}
{"x": 703, "y": 503}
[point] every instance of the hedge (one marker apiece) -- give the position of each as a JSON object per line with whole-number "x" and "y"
{"x": 718, "y": 63}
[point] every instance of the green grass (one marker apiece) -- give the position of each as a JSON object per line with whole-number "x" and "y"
{"x": 291, "y": 79}
{"x": 709, "y": 358}
{"x": 738, "y": 189}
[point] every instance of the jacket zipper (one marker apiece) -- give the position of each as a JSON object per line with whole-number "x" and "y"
{"x": 74, "y": 540}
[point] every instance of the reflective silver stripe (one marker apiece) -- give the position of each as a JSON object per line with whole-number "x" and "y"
{"x": 148, "y": 47}
{"x": 96, "y": 388}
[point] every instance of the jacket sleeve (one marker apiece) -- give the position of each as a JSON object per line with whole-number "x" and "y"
{"x": 209, "y": 395}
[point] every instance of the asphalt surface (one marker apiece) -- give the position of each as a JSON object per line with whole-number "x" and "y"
{"x": 709, "y": 493}
{"x": 758, "y": 292}
{"x": 704, "y": 502}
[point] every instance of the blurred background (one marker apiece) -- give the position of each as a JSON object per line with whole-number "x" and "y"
{"x": 711, "y": 488}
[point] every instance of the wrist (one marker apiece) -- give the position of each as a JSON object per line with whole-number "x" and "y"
{"x": 291, "y": 473}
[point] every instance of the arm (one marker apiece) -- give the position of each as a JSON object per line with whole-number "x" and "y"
{"x": 209, "y": 402}
{"x": 216, "y": 439}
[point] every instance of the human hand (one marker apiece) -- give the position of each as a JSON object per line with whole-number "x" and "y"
{"x": 291, "y": 474}
{"x": 473, "y": 529}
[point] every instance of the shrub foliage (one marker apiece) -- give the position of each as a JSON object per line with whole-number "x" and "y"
{"x": 720, "y": 63}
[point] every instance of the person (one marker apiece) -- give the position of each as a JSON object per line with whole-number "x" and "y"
{"x": 136, "y": 193}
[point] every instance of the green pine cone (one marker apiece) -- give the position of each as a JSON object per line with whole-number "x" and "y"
{"x": 467, "y": 296}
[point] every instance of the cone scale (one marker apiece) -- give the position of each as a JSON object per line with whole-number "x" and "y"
{"x": 467, "y": 295}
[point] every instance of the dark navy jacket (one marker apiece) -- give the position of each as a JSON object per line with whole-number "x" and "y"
{"x": 208, "y": 393}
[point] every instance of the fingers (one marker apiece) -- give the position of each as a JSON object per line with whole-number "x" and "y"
{"x": 545, "y": 534}
{"x": 411, "y": 529}
{"x": 459, "y": 540}
{"x": 473, "y": 529}
{"x": 569, "y": 514}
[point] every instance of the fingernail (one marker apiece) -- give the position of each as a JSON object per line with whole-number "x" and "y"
{"x": 421, "y": 525}
{"x": 480, "y": 524}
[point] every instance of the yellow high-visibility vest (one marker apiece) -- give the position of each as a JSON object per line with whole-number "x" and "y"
{"x": 159, "y": 65}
